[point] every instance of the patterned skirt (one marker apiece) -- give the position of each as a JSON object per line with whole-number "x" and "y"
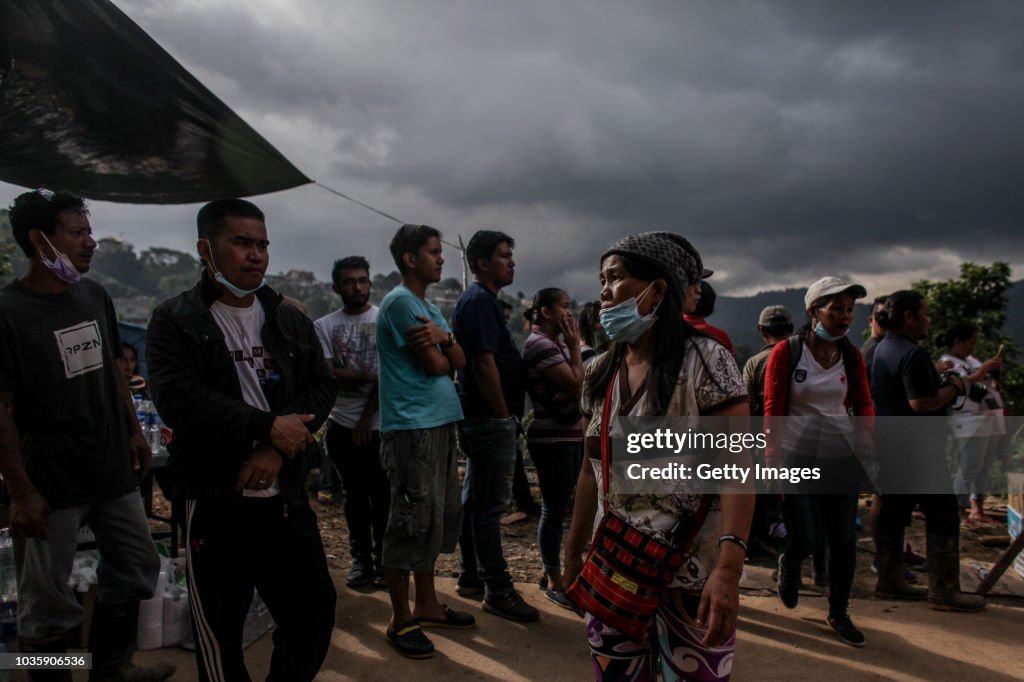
{"x": 673, "y": 647}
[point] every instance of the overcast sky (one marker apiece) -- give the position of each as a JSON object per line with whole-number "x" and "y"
{"x": 786, "y": 140}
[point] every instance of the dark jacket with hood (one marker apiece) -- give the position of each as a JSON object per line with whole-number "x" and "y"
{"x": 197, "y": 393}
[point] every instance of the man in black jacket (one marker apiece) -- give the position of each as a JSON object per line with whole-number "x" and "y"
{"x": 241, "y": 380}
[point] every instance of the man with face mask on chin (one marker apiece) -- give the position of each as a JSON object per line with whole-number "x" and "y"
{"x": 71, "y": 450}
{"x": 241, "y": 379}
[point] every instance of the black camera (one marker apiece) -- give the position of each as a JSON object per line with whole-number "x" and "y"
{"x": 975, "y": 390}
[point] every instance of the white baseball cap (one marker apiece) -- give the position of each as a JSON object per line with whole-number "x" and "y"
{"x": 829, "y": 286}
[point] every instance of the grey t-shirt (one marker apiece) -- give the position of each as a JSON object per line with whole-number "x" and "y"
{"x": 57, "y": 358}
{"x": 351, "y": 342}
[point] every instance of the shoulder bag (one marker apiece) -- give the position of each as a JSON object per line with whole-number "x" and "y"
{"x": 627, "y": 570}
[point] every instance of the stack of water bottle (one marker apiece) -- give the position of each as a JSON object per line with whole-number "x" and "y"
{"x": 149, "y": 420}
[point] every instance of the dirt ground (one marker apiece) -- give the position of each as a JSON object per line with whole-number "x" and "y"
{"x": 519, "y": 541}
{"x": 906, "y": 641}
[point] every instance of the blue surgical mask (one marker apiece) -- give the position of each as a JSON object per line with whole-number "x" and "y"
{"x": 223, "y": 281}
{"x": 624, "y": 323}
{"x": 822, "y": 333}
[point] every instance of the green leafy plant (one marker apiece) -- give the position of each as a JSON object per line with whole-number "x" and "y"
{"x": 978, "y": 296}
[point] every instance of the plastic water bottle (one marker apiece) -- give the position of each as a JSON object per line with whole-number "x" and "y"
{"x": 8, "y": 576}
{"x": 142, "y": 410}
{"x": 153, "y": 431}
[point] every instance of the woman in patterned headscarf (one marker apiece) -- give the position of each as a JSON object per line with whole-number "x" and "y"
{"x": 662, "y": 367}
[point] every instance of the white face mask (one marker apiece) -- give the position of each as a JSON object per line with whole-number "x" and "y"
{"x": 237, "y": 292}
{"x": 62, "y": 267}
{"x": 624, "y": 323}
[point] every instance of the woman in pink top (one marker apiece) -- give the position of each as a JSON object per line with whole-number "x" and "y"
{"x": 554, "y": 373}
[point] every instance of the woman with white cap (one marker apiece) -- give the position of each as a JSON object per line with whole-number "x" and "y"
{"x": 815, "y": 379}
{"x": 657, "y": 365}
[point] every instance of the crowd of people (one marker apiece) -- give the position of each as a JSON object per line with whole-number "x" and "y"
{"x": 251, "y": 386}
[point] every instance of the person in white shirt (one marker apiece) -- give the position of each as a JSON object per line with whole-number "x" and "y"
{"x": 349, "y": 339}
{"x": 814, "y": 379}
{"x": 977, "y": 423}
{"x": 240, "y": 377}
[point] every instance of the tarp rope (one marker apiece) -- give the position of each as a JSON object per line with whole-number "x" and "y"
{"x": 371, "y": 208}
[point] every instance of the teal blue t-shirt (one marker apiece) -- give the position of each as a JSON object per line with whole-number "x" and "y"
{"x": 409, "y": 397}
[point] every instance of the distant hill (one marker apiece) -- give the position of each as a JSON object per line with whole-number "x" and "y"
{"x": 738, "y": 316}
{"x": 140, "y": 280}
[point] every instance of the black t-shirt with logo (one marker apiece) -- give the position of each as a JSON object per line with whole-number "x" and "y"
{"x": 57, "y": 359}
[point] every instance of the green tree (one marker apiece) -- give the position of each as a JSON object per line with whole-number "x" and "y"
{"x": 978, "y": 296}
{"x": 116, "y": 267}
{"x": 382, "y": 284}
{"x": 450, "y": 283}
{"x": 743, "y": 352}
{"x": 12, "y": 260}
{"x": 168, "y": 272}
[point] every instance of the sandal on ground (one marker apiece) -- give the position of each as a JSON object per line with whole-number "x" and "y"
{"x": 559, "y": 597}
{"x": 458, "y": 620}
{"x": 410, "y": 640}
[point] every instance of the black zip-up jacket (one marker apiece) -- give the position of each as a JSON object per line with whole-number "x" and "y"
{"x": 197, "y": 392}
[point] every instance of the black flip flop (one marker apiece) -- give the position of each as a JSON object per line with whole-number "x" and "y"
{"x": 457, "y": 620}
{"x": 410, "y": 640}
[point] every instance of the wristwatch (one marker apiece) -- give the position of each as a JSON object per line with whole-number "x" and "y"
{"x": 451, "y": 341}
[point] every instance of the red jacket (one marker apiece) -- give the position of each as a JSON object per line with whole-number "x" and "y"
{"x": 717, "y": 333}
{"x": 777, "y": 381}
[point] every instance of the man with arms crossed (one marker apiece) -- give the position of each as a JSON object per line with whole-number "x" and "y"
{"x": 419, "y": 410}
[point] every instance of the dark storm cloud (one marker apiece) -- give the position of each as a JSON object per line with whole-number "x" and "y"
{"x": 785, "y": 139}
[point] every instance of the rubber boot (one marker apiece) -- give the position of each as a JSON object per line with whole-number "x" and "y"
{"x": 112, "y": 643}
{"x": 944, "y": 576}
{"x": 51, "y": 646}
{"x": 889, "y": 559}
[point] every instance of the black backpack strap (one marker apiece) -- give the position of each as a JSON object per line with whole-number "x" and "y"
{"x": 795, "y": 345}
{"x": 849, "y": 354}
{"x": 796, "y": 349}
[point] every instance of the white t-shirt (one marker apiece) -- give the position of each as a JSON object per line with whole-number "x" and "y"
{"x": 350, "y": 341}
{"x": 972, "y": 419}
{"x": 815, "y": 392}
{"x": 241, "y": 328}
